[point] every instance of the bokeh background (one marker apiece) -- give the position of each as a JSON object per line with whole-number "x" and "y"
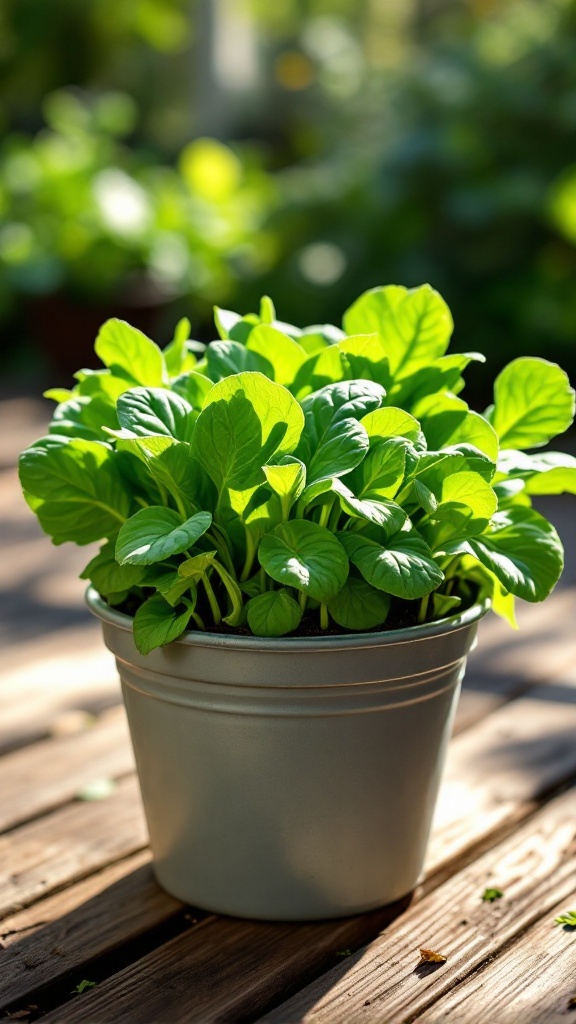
{"x": 159, "y": 156}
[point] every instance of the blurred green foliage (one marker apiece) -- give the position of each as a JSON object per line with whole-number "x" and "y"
{"x": 86, "y": 215}
{"x": 461, "y": 172}
{"x": 406, "y": 141}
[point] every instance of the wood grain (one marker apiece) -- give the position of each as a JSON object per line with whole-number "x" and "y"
{"x": 39, "y": 778}
{"x": 69, "y": 844}
{"x": 93, "y": 917}
{"x": 531, "y": 983}
{"x": 496, "y": 769}
{"x": 224, "y": 971}
{"x": 47, "y": 677}
{"x": 534, "y": 868}
{"x": 499, "y": 768}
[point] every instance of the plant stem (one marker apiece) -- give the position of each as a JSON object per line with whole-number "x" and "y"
{"x": 324, "y": 621}
{"x": 198, "y": 621}
{"x": 214, "y": 607}
{"x": 235, "y": 615}
{"x": 325, "y": 513}
{"x": 250, "y": 554}
{"x": 180, "y": 506}
{"x": 423, "y": 609}
{"x": 302, "y": 601}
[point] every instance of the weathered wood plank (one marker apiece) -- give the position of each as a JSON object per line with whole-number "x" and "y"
{"x": 50, "y": 773}
{"x": 502, "y": 764}
{"x": 535, "y": 868}
{"x": 530, "y": 983}
{"x": 42, "y": 680}
{"x": 69, "y": 844}
{"x": 498, "y": 769}
{"x": 85, "y": 921}
{"x": 220, "y": 971}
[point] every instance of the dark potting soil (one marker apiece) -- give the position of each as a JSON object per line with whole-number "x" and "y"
{"x": 402, "y": 615}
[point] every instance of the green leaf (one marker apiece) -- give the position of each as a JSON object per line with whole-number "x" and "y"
{"x": 305, "y": 555}
{"x": 196, "y": 567}
{"x": 381, "y": 472}
{"x": 274, "y": 613}
{"x": 388, "y": 422}
{"x": 533, "y": 402}
{"x": 224, "y": 358}
{"x": 287, "y": 480}
{"x": 225, "y": 320}
{"x": 548, "y": 473}
{"x": 156, "y": 411}
{"x": 380, "y": 511}
{"x": 466, "y": 501}
{"x": 170, "y": 584}
{"x": 246, "y": 420}
{"x": 360, "y": 357}
{"x": 108, "y": 576}
{"x": 130, "y": 354}
{"x": 441, "y": 376}
{"x": 176, "y": 353}
{"x": 282, "y": 354}
{"x": 334, "y": 442}
{"x": 490, "y": 895}
{"x": 79, "y": 495}
{"x": 58, "y": 394}
{"x": 156, "y": 533}
{"x": 193, "y": 387}
{"x": 434, "y": 466}
{"x": 267, "y": 310}
{"x": 444, "y": 604}
{"x": 568, "y": 919}
{"x": 156, "y": 623}
{"x": 82, "y": 986}
{"x": 101, "y": 384}
{"x": 415, "y": 324}
{"x": 404, "y": 567}
{"x": 447, "y": 421}
{"x": 359, "y": 606}
{"x": 81, "y": 416}
{"x": 521, "y": 548}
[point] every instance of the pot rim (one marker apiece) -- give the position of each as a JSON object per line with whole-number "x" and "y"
{"x": 344, "y": 641}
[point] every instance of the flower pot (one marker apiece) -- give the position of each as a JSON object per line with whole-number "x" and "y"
{"x": 294, "y": 778}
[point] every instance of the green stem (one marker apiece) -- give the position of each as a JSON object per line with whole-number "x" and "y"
{"x": 220, "y": 541}
{"x": 180, "y": 506}
{"x": 234, "y": 617}
{"x": 423, "y": 609}
{"x": 302, "y": 601}
{"x": 263, "y": 579}
{"x": 198, "y": 621}
{"x": 334, "y": 517}
{"x": 250, "y": 555}
{"x": 324, "y": 621}
{"x": 325, "y": 513}
{"x": 214, "y": 607}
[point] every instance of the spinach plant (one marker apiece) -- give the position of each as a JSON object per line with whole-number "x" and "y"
{"x": 286, "y": 480}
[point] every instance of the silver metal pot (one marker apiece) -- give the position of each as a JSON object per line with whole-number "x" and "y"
{"x": 291, "y": 778}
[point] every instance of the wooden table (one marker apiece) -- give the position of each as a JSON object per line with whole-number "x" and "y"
{"x": 78, "y": 902}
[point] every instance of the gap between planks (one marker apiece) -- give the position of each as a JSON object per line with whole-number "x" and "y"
{"x": 533, "y": 981}
{"x": 231, "y": 970}
{"x": 503, "y": 781}
{"x": 535, "y": 868}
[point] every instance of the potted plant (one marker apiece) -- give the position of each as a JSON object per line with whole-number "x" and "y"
{"x": 300, "y": 530}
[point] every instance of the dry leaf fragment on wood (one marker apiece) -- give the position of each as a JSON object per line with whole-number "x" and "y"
{"x": 428, "y": 956}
